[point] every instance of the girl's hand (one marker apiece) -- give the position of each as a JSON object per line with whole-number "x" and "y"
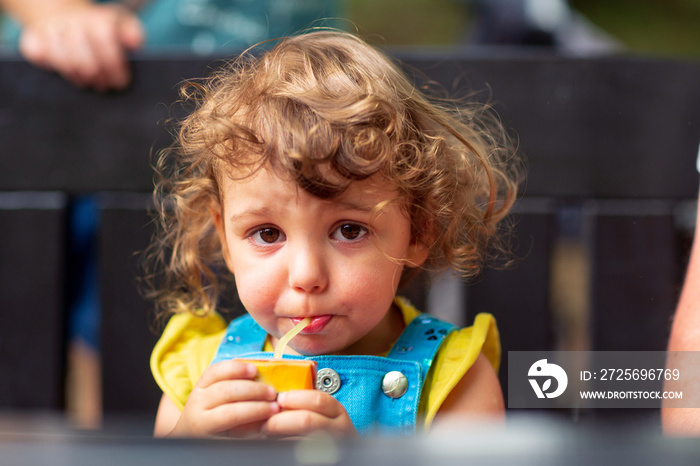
{"x": 227, "y": 401}
{"x": 307, "y": 411}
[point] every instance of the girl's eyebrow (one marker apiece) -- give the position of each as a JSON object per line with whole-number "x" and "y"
{"x": 354, "y": 206}
{"x": 251, "y": 213}
{"x": 265, "y": 211}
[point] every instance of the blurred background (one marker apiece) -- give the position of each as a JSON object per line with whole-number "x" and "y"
{"x": 644, "y": 27}
{"x": 555, "y": 46}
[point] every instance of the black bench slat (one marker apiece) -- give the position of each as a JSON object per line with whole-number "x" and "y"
{"x": 33, "y": 316}
{"x": 128, "y": 334}
{"x": 637, "y": 266}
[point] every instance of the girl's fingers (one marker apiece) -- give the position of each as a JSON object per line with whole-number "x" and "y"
{"x": 295, "y": 423}
{"x": 227, "y": 370}
{"x": 308, "y": 411}
{"x": 313, "y": 400}
{"x": 252, "y": 430}
{"x": 240, "y": 419}
{"x": 230, "y": 382}
{"x": 234, "y": 391}
{"x": 232, "y": 419}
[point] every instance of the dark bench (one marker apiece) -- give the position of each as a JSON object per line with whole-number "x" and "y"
{"x": 610, "y": 143}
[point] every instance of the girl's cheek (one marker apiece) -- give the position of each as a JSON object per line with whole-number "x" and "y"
{"x": 256, "y": 290}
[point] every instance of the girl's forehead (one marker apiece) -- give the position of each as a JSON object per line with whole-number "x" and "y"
{"x": 267, "y": 183}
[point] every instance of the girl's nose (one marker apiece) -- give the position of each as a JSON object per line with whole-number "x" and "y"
{"x": 307, "y": 270}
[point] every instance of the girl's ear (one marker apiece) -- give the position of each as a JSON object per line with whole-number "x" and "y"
{"x": 418, "y": 248}
{"x": 216, "y": 213}
{"x": 417, "y": 253}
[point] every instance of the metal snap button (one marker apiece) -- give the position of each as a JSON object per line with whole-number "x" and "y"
{"x": 327, "y": 380}
{"x": 394, "y": 384}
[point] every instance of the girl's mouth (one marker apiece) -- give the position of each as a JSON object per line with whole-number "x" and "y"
{"x": 317, "y": 323}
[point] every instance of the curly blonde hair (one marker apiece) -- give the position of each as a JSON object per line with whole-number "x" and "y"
{"x": 327, "y": 109}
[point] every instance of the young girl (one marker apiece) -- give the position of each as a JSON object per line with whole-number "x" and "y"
{"x": 323, "y": 180}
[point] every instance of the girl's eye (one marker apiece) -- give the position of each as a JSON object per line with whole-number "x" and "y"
{"x": 349, "y": 232}
{"x": 267, "y": 236}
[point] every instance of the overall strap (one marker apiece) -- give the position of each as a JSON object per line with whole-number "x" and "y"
{"x": 421, "y": 340}
{"x": 243, "y": 335}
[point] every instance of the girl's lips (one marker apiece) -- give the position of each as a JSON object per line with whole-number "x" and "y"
{"x": 317, "y": 323}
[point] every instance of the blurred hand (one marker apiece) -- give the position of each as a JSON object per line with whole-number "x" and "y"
{"x": 88, "y": 44}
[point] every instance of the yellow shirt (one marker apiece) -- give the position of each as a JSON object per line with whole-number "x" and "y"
{"x": 189, "y": 344}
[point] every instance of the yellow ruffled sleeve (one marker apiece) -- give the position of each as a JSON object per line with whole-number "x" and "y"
{"x": 454, "y": 358}
{"x": 185, "y": 349}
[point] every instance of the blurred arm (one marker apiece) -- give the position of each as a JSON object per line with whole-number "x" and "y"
{"x": 685, "y": 336}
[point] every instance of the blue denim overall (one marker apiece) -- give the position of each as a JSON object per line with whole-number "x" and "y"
{"x": 362, "y": 384}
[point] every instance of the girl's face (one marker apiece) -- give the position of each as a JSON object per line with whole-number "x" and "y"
{"x": 337, "y": 261}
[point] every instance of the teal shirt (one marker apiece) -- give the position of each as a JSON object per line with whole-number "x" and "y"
{"x": 211, "y": 26}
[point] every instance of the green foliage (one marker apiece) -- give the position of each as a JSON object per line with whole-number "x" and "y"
{"x": 648, "y": 27}
{"x": 410, "y": 22}
{"x": 652, "y": 27}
